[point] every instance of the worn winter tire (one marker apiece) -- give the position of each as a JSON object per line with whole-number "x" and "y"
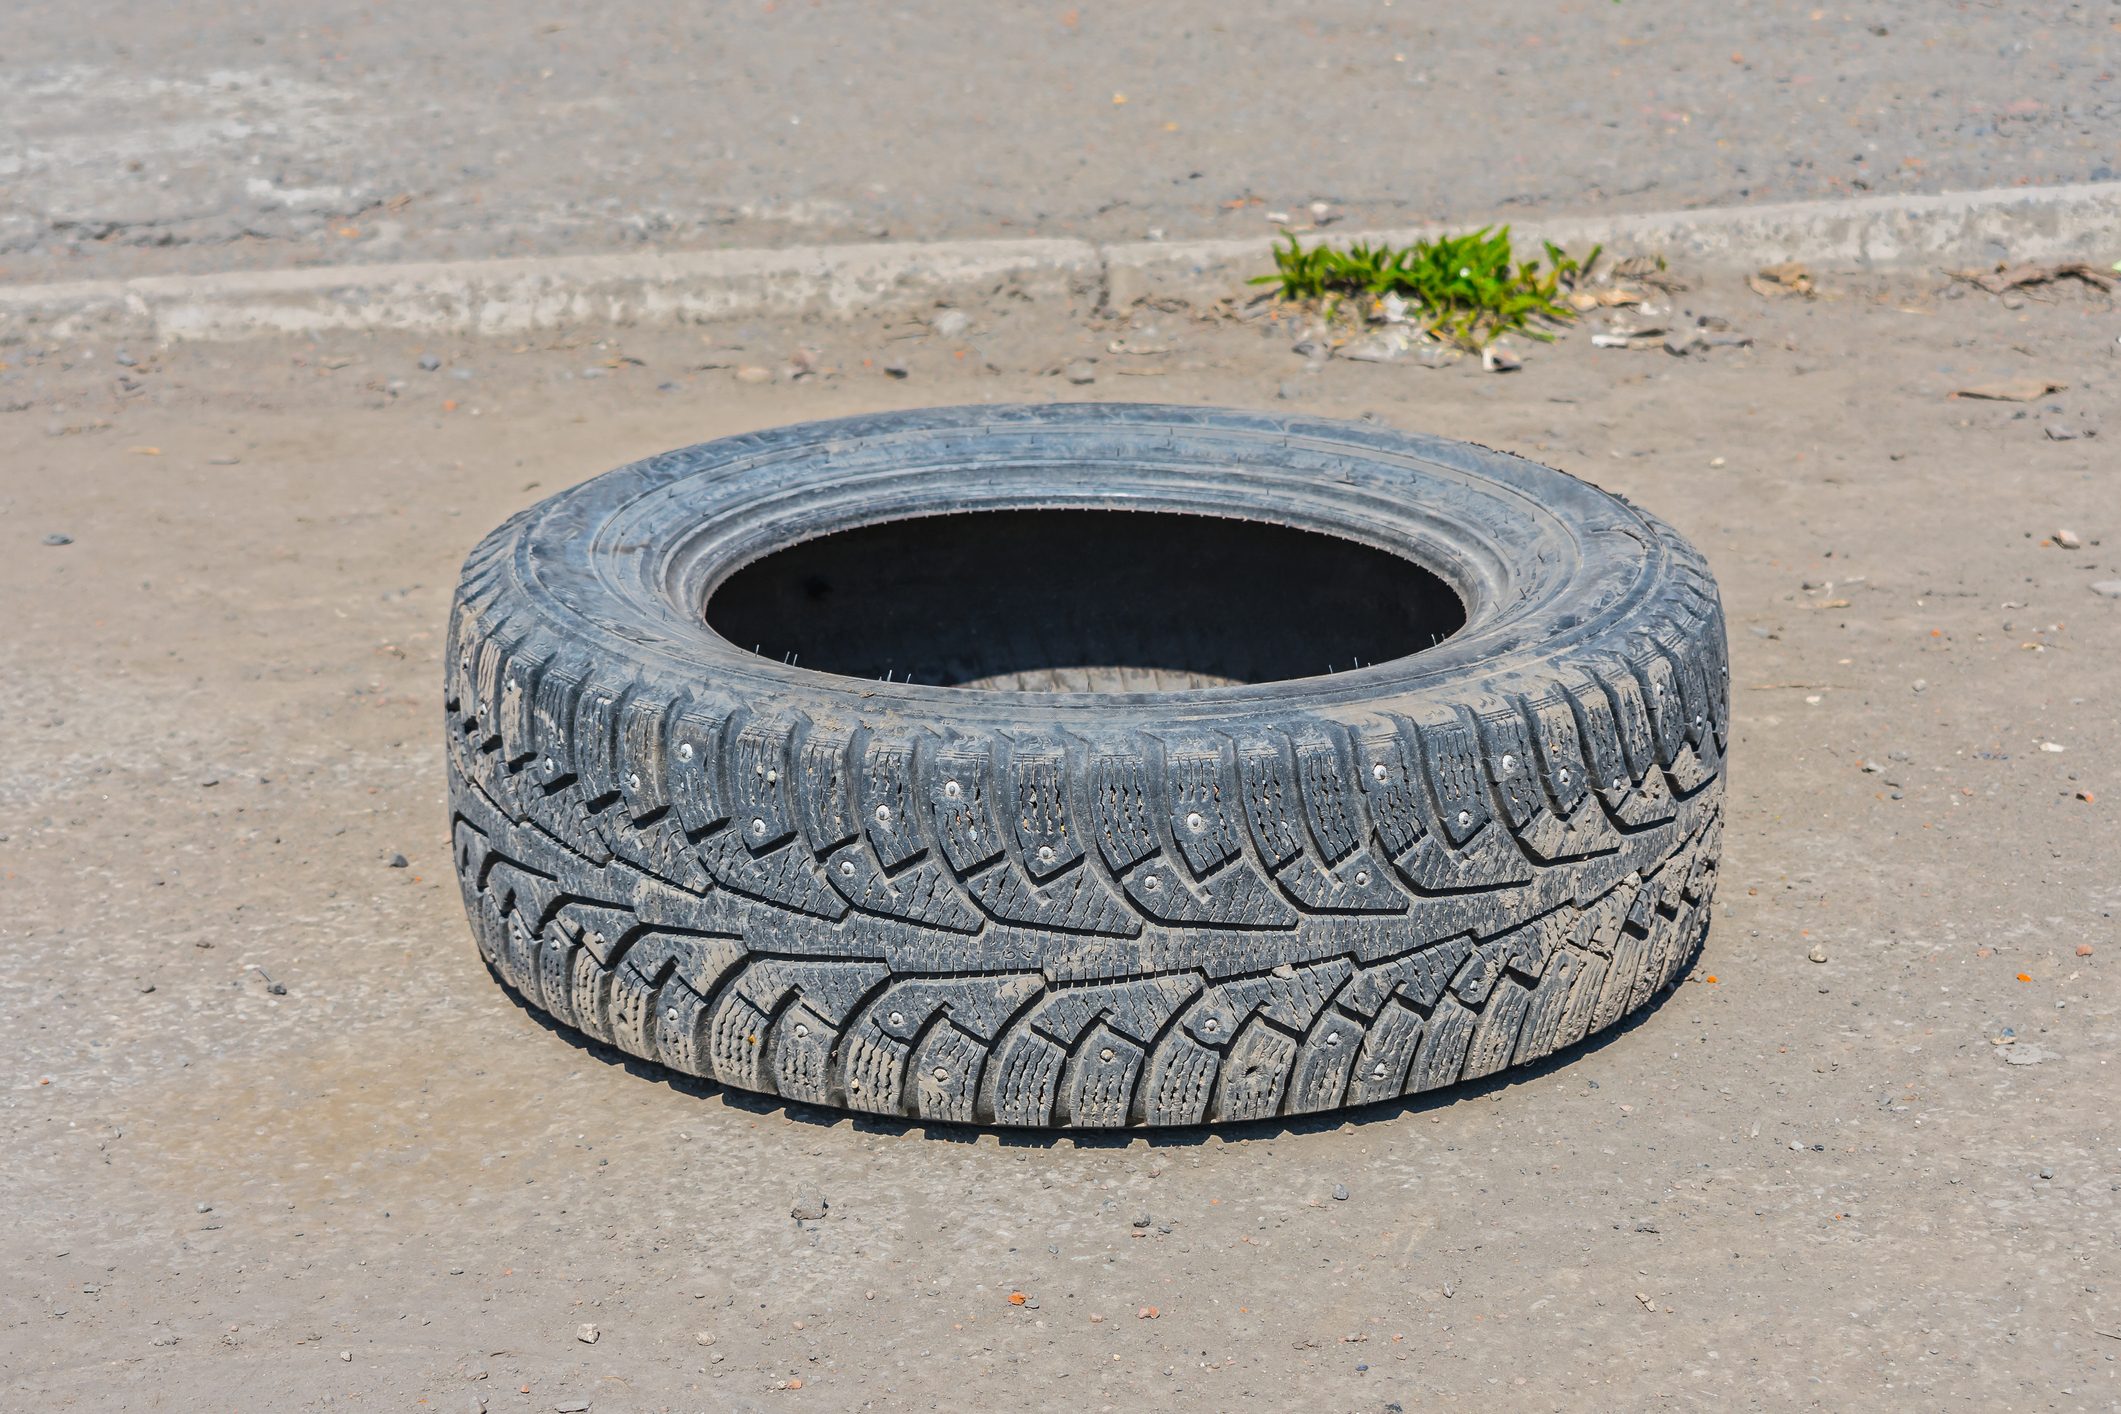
{"x": 1121, "y": 881}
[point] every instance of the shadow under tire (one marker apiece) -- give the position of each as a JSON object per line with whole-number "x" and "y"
{"x": 1250, "y": 765}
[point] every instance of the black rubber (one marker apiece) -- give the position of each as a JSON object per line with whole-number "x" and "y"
{"x": 1249, "y": 766}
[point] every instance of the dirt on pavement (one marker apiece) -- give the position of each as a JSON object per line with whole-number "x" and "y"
{"x": 274, "y": 1139}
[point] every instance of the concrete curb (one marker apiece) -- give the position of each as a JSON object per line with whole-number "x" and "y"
{"x": 513, "y": 296}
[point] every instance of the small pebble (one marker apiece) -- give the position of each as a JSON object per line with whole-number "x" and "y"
{"x": 1340, "y": 1192}
{"x": 571, "y": 1406}
{"x": 1818, "y": 952}
{"x": 346, "y": 1355}
{"x": 950, "y": 323}
{"x": 2047, "y": 1173}
{"x": 124, "y": 359}
{"x": 2060, "y": 432}
{"x": 1289, "y": 391}
{"x": 2068, "y": 540}
{"x": 399, "y": 861}
{"x": 58, "y": 538}
{"x": 1079, "y": 372}
{"x": 2084, "y": 949}
{"x": 2107, "y": 588}
{"x": 587, "y": 1333}
{"x": 896, "y": 368}
{"x": 809, "y": 1206}
{"x": 202, "y": 1207}
{"x": 429, "y": 363}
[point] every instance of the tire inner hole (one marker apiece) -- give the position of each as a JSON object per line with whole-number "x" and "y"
{"x": 1082, "y": 601}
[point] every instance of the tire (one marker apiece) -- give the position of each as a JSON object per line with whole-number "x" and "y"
{"x": 1160, "y": 891}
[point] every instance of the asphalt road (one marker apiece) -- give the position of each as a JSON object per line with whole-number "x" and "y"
{"x": 214, "y": 136}
{"x": 271, "y": 1139}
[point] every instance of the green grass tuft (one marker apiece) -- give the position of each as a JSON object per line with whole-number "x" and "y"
{"x": 1466, "y": 289}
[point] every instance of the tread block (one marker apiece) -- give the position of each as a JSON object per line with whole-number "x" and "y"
{"x": 1697, "y": 701}
{"x": 1099, "y": 1082}
{"x": 831, "y": 989}
{"x": 1598, "y": 736}
{"x": 887, "y": 810}
{"x": 1388, "y": 1052}
{"x": 554, "y": 701}
{"x": 921, "y": 892}
{"x": 787, "y": 876}
{"x": 555, "y": 967}
{"x": 1631, "y": 716}
{"x": 802, "y": 1044}
{"x": 1206, "y": 820}
{"x": 1254, "y": 1073}
{"x": 824, "y": 797}
{"x": 510, "y": 678}
{"x": 946, "y": 1073}
{"x": 1510, "y": 764}
{"x": 1562, "y": 764}
{"x": 1454, "y": 774}
{"x": 1550, "y": 839}
{"x": 1180, "y": 1082}
{"x": 961, "y": 799}
{"x": 1443, "y": 1046}
{"x": 1077, "y": 902}
{"x": 1358, "y": 884}
{"x": 1119, "y": 809}
{"x": 1647, "y": 802}
{"x": 604, "y": 929}
{"x": 644, "y": 778}
{"x": 594, "y": 738}
{"x": 658, "y": 849}
{"x": 1630, "y": 952}
{"x": 1389, "y": 772}
{"x": 1419, "y": 977}
{"x": 1688, "y": 772}
{"x": 1272, "y": 805}
{"x": 756, "y": 759}
{"x": 1330, "y": 803}
{"x": 1495, "y": 1037}
{"x": 1581, "y": 1006}
{"x": 978, "y": 1006}
{"x": 873, "y": 1067}
{"x": 1546, "y": 1007}
{"x": 634, "y": 1014}
{"x": 1027, "y": 1071}
{"x": 1661, "y": 698}
{"x": 681, "y": 1035}
{"x": 736, "y": 1043}
{"x": 1138, "y": 1008}
{"x": 1490, "y": 860}
{"x": 1318, "y": 1077}
{"x": 1041, "y": 817}
{"x": 1236, "y": 897}
{"x": 697, "y": 795}
{"x": 592, "y": 996}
